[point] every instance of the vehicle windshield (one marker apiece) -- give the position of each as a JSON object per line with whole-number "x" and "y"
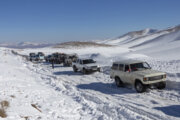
{"x": 32, "y": 54}
{"x": 40, "y": 54}
{"x": 139, "y": 66}
{"x": 88, "y": 61}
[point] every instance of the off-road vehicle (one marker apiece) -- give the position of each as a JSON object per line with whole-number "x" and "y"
{"x": 57, "y": 58}
{"x": 69, "y": 58}
{"x": 137, "y": 73}
{"x": 41, "y": 56}
{"x": 85, "y": 65}
{"x": 48, "y": 58}
{"x": 33, "y": 57}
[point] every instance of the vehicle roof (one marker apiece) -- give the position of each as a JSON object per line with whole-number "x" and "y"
{"x": 129, "y": 61}
{"x": 85, "y": 58}
{"x": 72, "y": 54}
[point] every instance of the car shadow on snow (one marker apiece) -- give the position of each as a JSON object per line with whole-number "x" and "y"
{"x": 50, "y": 65}
{"x": 173, "y": 110}
{"x": 106, "y": 88}
{"x": 66, "y": 73}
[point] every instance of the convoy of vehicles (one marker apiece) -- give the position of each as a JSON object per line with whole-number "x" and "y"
{"x": 59, "y": 58}
{"x": 133, "y": 72}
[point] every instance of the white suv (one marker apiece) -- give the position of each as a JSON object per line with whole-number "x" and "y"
{"x": 137, "y": 73}
{"x": 85, "y": 65}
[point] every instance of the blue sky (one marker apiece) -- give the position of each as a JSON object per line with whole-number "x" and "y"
{"x": 70, "y": 20}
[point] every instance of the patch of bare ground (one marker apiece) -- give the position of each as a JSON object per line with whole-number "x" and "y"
{"x": 12, "y": 96}
{"x": 4, "y": 105}
{"x": 80, "y": 44}
{"x": 25, "y": 117}
{"x": 35, "y": 106}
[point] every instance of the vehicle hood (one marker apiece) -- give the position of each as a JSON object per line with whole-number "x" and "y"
{"x": 91, "y": 64}
{"x": 148, "y": 73}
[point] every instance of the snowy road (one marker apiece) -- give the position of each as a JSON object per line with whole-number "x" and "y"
{"x": 99, "y": 98}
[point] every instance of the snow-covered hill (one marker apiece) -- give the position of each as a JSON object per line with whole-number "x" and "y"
{"x": 23, "y": 45}
{"x": 151, "y": 42}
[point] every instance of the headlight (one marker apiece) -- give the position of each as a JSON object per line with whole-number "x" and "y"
{"x": 145, "y": 79}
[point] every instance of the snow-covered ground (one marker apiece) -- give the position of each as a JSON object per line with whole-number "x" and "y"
{"x": 61, "y": 94}
{"x": 35, "y": 91}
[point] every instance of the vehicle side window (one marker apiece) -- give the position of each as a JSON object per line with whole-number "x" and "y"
{"x": 81, "y": 62}
{"x": 121, "y": 67}
{"x": 115, "y": 66}
{"x": 126, "y": 68}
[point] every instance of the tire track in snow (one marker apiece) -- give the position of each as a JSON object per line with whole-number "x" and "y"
{"x": 91, "y": 99}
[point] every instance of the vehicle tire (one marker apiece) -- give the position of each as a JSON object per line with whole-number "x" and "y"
{"x": 74, "y": 69}
{"x": 161, "y": 85}
{"x": 84, "y": 71}
{"x": 118, "y": 82}
{"x": 140, "y": 87}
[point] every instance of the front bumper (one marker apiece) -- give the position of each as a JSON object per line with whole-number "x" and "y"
{"x": 154, "y": 81}
{"x": 93, "y": 69}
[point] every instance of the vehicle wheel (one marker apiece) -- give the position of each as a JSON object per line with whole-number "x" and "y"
{"x": 74, "y": 69}
{"x": 140, "y": 88}
{"x": 118, "y": 82}
{"x": 84, "y": 71}
{"x": 161, "y": 85}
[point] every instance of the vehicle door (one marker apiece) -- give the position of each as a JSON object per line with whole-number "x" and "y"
{"x": 127, "y": 74}
{"x": 114, "y": 71}
{"x": 77, "y": 63}
{"x": 120, "y": 72}
{"x": 81, "y": 64}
